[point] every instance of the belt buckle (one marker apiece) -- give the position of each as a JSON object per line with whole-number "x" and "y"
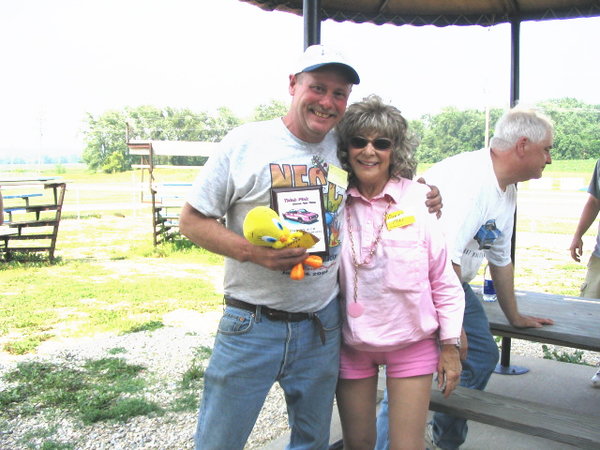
{"x": 272, "y": 314}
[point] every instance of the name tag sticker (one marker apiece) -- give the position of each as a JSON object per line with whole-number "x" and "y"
{"x": 337, "y": 176}
{"x": 398, "y": 219}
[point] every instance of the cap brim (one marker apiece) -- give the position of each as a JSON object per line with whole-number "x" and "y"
{"x": 350, "y": 72}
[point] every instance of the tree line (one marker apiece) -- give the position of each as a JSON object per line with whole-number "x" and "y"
{"x": 451, "y": 131}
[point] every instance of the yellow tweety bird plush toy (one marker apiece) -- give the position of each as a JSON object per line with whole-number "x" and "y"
{"x": 262, "y": 226}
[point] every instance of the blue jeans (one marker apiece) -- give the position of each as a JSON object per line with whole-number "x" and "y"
{"x": 250, "y": 354}
{"x": 450, "y": 432}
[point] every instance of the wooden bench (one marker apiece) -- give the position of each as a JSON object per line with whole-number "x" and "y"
{"x": 537, "y": 419}
{"x": 29, "y": 215}
{"x": 5, "y": 235}
{"x": 24, "y": 197}
{"x": 576, "y": 322}
{"x": 37, "y": 209}
{"x": 167, "y": 200}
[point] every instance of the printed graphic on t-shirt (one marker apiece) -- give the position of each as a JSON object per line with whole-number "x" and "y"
{"x": 487, "y": 234}
{"x": 302, "y": 175}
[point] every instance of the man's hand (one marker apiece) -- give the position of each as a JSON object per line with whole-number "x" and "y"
{"x": 434, "y": 199}
{"x": 504, "y": 283}
{"x": 531, "y": 322}
{"x": 280, "y": 259}
{"x": 576, "y": 249}
{"x": 449, "y": 369}
{"x": 210, "y": 234}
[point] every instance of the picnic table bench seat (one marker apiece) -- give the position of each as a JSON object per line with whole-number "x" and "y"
{"x": 167, "y": 201}
{"x": 5, "y": 234}
{"x": 537, "y": 419}
{"x": 32, "y": 208}
{"x": 24, "y": 197}
{"x": 21, "y": 237}
{"x": 23, "y": 215}
{"x": 32, "y": 223}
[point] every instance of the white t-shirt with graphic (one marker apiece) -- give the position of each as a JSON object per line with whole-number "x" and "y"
{"x": 478, "y": 217}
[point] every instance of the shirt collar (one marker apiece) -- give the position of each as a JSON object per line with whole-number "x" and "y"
{"x": 391, "y": 191}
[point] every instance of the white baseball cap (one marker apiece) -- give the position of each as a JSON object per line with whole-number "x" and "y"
{"x": 317, "y": 56}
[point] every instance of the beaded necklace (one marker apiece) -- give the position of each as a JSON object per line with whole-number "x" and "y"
{"x": 356, "y": 309}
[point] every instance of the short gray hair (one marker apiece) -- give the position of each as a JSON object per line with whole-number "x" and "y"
{"x": 518, "y": 123}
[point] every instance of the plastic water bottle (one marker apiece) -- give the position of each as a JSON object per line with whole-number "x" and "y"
{"x": 489, "y": 293}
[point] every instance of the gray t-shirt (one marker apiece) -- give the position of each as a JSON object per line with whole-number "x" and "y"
{"x": 594, "y": 189}
{"x": 251, "y": 160}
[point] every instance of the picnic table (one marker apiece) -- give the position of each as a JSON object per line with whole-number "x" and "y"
{"x": 576, "y": 322}
{"x": 576, "y": 326}
{"x": 34, "y": 222}
{"x": 167, "y": 200}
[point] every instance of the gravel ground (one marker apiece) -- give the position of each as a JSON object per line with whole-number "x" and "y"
{"x": 167, "y": 352}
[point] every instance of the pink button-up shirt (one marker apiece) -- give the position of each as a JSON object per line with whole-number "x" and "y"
{"x": 408, "y": 289}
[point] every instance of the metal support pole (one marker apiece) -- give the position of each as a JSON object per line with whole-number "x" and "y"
{"x": 311, "y": 11}
{"x": 504, "y": 367}
{"x": 515, "y": 54}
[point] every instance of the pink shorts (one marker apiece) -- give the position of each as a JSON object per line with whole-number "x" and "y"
{"x": 420, "y": 358}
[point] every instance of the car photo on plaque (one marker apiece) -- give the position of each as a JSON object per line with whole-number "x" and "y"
{"x": 301, "y": 216}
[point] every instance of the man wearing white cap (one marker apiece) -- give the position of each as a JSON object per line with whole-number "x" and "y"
{"x": 274, "y": 329}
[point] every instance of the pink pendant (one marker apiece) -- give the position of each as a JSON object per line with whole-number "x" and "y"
{"x": 355, "y": 309}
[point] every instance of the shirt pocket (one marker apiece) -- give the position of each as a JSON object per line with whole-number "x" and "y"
{"x": 407, "y": 265}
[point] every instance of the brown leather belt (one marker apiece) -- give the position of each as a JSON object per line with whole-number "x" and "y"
{"x": 276, "y": 314}
{"x": 273, "y": 314}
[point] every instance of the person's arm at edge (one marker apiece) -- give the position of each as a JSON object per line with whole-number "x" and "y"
{"x": 448, "y": 299}
{"x": 209, "y": 234}
{"x": 504, "y": 284}
{"x": 588, "y": 215}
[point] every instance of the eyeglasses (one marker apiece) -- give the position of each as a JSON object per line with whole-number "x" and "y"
{"x": 379, "y": 143}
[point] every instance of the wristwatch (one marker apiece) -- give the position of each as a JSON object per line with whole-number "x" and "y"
{"x": 452, "y": 341}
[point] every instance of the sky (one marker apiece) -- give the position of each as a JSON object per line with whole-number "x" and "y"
{"x": 63, "y": 59}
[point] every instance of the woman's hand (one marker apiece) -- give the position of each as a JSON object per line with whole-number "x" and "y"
{"x": 449, "y": 368}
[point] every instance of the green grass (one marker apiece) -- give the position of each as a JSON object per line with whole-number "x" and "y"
{"x": 558, "y": 169}
{"x": 78, "y": 173}
{"x": 191, "y": 382}
{"x": 574, "y": 357}
{"x": 574, "y": 167}
{"x": 83, "y": 299}
{"x": 99, "y": 390}
{"x": 108, "y": 277}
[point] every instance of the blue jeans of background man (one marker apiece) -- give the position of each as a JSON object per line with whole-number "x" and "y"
{"x": 250, "y": 354}
{"x": 450, "y": 432}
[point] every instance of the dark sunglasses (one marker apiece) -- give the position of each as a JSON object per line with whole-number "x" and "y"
{"x": 379, "y": 143}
